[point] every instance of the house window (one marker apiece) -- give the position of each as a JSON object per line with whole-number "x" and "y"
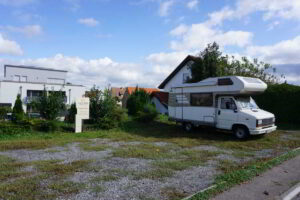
{"x": 23, "y": 78}
{"x": 56, "y": 80}
{"x": 186, "y": 77}
{"x": 17, "y": 78}
{"x": 202, "y": 99}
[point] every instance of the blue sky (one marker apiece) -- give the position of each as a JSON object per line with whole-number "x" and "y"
{"x": 132, "y": 42}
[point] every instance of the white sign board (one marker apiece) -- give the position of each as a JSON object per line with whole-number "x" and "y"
{"x": 83, "y": 107}
{"x": 83, "y": 112}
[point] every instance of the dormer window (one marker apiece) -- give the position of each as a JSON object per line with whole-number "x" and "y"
{"x": 186, "y": 77}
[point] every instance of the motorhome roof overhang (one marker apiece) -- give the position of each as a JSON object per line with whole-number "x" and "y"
{"x": 239, "y": 85}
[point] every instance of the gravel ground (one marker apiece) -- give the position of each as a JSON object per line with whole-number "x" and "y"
{"x": 125, "y": 186}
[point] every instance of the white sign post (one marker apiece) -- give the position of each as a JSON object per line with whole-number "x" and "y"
{"x": 83, "y": 112}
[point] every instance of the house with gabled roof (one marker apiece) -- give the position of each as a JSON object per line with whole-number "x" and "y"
{"x": 181, "y": 74}
{"x": 130, "y": 90}
{"x": 160, "y": 100}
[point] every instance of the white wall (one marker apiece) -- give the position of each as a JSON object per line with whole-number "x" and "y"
{"x": 177, "y": 79}
{"x": 35, "y": 75}
{"x": 159, "y": 107}
{"x": 10, "y": 90}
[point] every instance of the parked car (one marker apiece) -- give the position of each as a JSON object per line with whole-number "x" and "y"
{"x": 222, "y": 102}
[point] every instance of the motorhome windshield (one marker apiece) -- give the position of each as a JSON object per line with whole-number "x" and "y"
{"x": 246, "y": 102}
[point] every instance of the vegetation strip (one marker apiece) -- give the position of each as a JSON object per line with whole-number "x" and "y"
{"x": 226, "y": 181}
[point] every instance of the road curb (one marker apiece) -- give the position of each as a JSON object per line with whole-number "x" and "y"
{"x": 215, "y": 185}
{"x": 291, "y": 193}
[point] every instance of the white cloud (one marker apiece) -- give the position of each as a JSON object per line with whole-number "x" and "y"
{"x": 197, "y": 36}
{"x": 167, "y": 59}
{"x": 217, "y": 17}
{"x": 192, "y": 4}
{"x": 100, "y": 71}
{"x": 179, "y": 30}
{"x": 164, "y": 8}
{"x": 284, "y": 52}
{"x": 74, "y": 4}
{"x": 271, "y": 8}
{"x": 26, "y": 17}
{"x": 9, "y": 47}
{"x": 29, "y": 31}
{"x": 16, "y": 2}
{"x": 88, "y": 22}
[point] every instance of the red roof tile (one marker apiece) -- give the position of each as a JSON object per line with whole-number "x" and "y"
{"x": 163, "y": 97}
{"x": 148, "y": 90}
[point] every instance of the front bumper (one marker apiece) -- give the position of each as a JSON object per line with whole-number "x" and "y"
{"x": 263, "y": 130}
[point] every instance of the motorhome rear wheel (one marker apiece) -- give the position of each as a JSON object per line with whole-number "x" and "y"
{"x": 188, "y": 126}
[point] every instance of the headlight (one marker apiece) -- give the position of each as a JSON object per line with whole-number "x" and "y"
{"x": 274, "y": 120}
{"x": 259, "y": 121}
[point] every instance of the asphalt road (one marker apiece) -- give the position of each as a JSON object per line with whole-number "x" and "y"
{"x": 269, "y": 185}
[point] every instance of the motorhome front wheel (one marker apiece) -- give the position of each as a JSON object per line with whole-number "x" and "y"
{"x": 241, "y": 132}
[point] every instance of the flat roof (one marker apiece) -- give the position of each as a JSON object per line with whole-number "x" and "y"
{"x": 41, "y": 83}
{"x": 33, "y": 67}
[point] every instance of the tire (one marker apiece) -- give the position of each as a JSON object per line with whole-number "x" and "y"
{"x": 241, "y": 132}
{"x": 188, "y": 127}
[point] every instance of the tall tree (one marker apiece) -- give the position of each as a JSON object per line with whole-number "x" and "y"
{"x": 211, "y": 63}
{"x": 50, "y": 105}
{"x": 18, "y": 112}
{"x": 18, "y": 108}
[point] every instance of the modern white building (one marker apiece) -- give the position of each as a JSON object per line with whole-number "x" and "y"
{"x": 30, "y": 82}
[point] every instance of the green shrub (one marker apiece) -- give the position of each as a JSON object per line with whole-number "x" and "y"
{"x": 72, "y": 111}
{"x": 105, "y": 113}
{"x": 49, "y": 104}
{"x": 4, "y": 111}
{"x": 18, "y": 112}
{"x": 112, "y": 119}
{"x": 9, "y": 128}
{"x": 137, "y": 101}
{"x": 45, "y": 125}
{"x": 148, "y": 114}
{"x": 283, "y": 100}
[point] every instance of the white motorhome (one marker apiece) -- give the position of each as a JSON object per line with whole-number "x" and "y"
{"x": 221, "y": 102}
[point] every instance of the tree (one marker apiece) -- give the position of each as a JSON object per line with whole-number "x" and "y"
{"x": 104, "y": 110}
{"x": 137, "y": 100}
{"x": 18, "y": 108}
{"x": 211, "y": 63}
{"x": 49, "y": 104}
{"x": 72, "y": 111}
{"x": 18, "y": 112}
{"x": 139, "y": 105}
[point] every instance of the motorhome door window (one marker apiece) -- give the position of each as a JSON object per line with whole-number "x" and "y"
{"x": 228, "y": 103}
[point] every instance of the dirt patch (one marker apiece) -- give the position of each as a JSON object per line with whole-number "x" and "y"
{"x": 150, "y": 170}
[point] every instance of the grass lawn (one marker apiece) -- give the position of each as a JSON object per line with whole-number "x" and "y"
{"x": 131, "y": 159}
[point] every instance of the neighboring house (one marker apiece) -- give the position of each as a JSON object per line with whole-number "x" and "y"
{"x": 118, "y": 93}
{"x": 180, "y": 75}
{"x": 130, "y": 90}
{"x": 30, "y": 82}
{"x": 160, "y": 99}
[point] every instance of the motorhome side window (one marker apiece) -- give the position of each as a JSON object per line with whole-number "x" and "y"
{"x": 228, "y": 103}
{"x": 202, "y": 99}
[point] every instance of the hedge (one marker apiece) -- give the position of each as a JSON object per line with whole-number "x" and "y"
{"x": 283, "y": 100}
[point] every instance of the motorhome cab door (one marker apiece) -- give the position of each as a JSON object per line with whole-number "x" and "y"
{"x": 226, "y": 113}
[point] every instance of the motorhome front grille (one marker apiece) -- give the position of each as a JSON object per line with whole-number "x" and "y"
{"x": 266, "y": 122}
